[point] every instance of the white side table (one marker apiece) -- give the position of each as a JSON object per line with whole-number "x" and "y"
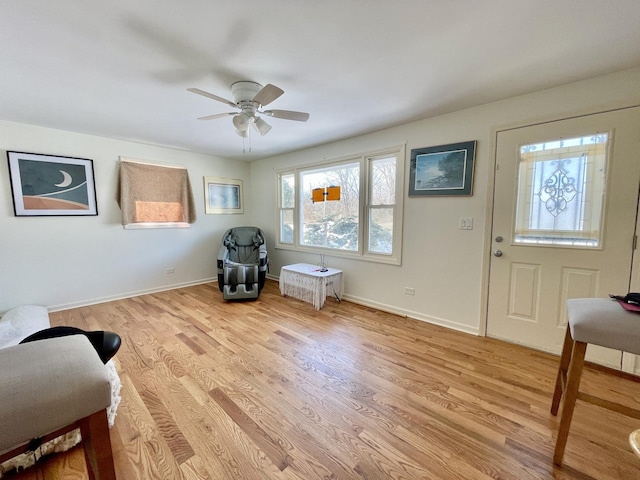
{"x": 307, "y": 283}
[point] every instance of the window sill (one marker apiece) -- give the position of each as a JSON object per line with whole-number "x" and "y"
{"x": 147, "y": 225}
{"x": 373, "y": 258}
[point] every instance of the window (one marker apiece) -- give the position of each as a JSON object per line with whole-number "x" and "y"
{"x": 286, "y": 204}
{"x": 561, "y": 187}
{"x": 382, "y": 203}
{"x": 365, "y": 222}
{"x": 154, "y": 196}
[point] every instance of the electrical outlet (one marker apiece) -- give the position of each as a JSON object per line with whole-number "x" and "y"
{"x": 409, "y": 291}
{"x": 170, "y": 270}
{"x": 466, "y": 223}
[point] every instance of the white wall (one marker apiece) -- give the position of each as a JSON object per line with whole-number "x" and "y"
{"x": 60, "y": 262}
{"x": 445, "y": 265}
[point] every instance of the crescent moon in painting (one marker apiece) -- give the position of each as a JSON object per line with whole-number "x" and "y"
{"x": 66, "y": 181}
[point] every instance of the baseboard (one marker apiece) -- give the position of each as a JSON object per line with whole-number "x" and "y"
{"x": 346, "y": 297}
{"x": 412, "y": 314}
{"x": 404, "y": 312}
{"x": 121, "y": 296}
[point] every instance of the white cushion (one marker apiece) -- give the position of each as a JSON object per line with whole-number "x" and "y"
{"x": 20, "y": 322}
{"x": 48, "y": 384}
{"x": 604, "y": 322}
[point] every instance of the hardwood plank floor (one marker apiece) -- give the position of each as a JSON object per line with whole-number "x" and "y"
{"x": 273, "y": 389}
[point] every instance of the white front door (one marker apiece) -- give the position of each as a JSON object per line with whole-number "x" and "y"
{"x": 565, "y": 201}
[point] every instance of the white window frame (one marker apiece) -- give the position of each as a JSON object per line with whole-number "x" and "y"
{"x": 365, "y": 207}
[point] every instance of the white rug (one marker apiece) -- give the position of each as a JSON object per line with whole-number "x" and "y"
{"x": 71, "y": 439}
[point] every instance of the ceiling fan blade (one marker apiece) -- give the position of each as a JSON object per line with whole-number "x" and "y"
{"x": 288, "y": 115}
{"x": 217, "y": 115}
{"x": 268, "y": 94}
{"x": 212, "y": 96}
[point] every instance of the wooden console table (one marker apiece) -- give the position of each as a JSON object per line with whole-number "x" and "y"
{"x": 308, "y": 283}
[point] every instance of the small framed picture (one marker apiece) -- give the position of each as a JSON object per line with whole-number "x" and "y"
{"x": 442, "y": 170}
{"x": 222, "y": 195}
{"x": 50, "y": 185}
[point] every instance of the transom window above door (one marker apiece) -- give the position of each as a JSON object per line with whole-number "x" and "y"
{"x": 561, "y": 190}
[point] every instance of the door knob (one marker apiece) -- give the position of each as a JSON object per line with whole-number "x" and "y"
{"x": 497, "y": 253}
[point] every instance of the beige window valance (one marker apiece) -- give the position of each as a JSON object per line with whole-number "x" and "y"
{"x": 154, "y": 194}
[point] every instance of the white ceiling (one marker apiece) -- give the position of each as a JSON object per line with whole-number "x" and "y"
{"x": 120, "y": 68}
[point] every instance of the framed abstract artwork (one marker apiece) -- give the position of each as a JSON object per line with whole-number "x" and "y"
{"x": 50, "y": 185}
{"x": 442, "y": 170}
{"x": 222, "y": 195}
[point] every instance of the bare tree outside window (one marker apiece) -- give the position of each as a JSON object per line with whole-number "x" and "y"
{"x": 332, "y": 224}
{"x": 381, "y": 205}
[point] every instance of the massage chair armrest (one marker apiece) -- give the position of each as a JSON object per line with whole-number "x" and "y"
{"x": 223, "y": 255}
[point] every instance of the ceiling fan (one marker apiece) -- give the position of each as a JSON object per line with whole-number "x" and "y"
{"x": 249, "y": 98}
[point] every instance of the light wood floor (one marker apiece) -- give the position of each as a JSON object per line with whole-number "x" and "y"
{"x": 273, "y": 389}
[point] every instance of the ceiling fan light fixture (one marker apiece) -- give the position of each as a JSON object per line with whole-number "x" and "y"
{"x": 241, "y": 121}
{"x": 243, "y": 133}
{"x": 262, "y": 126}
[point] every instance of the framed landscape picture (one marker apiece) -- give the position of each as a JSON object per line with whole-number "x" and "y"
{"x": 222, "y": 195}
{"x": 50, "y": 185}
{"x": 442, "y": 170}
